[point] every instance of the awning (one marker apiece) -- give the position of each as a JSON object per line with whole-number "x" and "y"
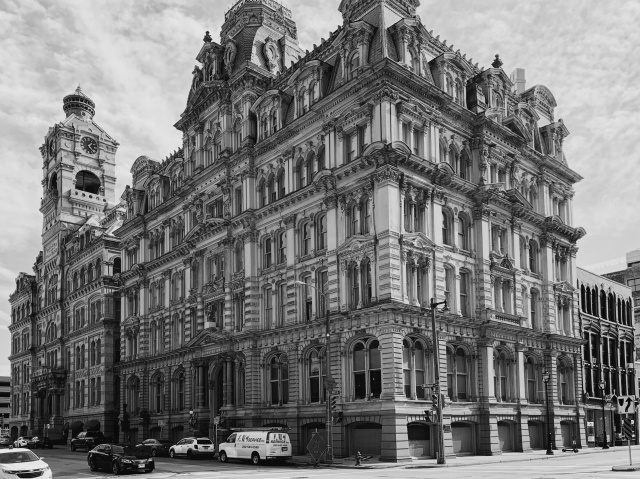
{"x": 93, "y": 425}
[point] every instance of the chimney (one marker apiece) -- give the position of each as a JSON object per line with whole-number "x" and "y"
{"x": 518, "y": 80}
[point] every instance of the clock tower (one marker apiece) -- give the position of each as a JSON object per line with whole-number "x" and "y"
{"x": 78, "y": 171}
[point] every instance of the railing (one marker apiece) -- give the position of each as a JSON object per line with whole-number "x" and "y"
{"x": 494, "y": 315}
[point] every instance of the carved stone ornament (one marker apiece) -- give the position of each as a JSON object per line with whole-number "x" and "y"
{"x": 230, "y": 53}
{"x": 272, "y": 55}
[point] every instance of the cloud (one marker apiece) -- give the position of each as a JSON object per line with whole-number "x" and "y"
{"x": 134, "y": 59}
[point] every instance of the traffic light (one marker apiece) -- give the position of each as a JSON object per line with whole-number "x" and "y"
{"x": 442, "y": 401}
{"x": 334, "y": 402}
{"x": 434, "y": 401}
{"x": 337, "y": 418}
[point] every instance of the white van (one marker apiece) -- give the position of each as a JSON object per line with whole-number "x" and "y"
{"x": 256, "y": 445}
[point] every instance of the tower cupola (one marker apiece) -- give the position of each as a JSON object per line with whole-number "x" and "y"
{"x": 80, "y": 104}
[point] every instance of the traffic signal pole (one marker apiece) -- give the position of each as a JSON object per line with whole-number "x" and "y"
{"x": 437, "y": 386}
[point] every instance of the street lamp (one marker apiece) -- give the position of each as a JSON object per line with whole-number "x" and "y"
{"x": 329, "y": 382}
{"x": 436, "y": 373}
{"x": 602, "y": 384}
{"x": 545, "y": 377}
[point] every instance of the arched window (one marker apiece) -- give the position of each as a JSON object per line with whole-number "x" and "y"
{"x": 281, "y": 244}
{"x": 133, "y": 399}
{"x": 365, "y": 215}
{"x": 603, "y": 304}
{"x": 457, "y": 374}
{"x": 367, "y": 373}
{"x": 87, "y": 181}
{"x": 92, "y": 353}
{"x": 90, "y": 272}
{"x": 153, "y": 338}
{"x": 83, "y": 277}
{"x": 158, "y": 393}
{"x": 267, "y": 258}
{"x": 354, "y": 64}
{"x": 565, "y": 391}
{"x": 501, "y": 376}
{"x": 280, "y": 184}
{"x": 354, "y": 216}
{"x": 99, "y": 351}
{"x": 180, "y": 398}
{"x": 317, "y": 372}
{"x": 262, "y": 193}
{"x": 463, "y": 293}
{"x": 301, "y": 173}
{"x": 321, "y": 232}
{"x": 76, "y": 283}
{"x": 447, "y": 227}
{"x": 449, "y": 84}
{"x": 312, "y": 93}
{"x": 305, "y": 230}
{"x": 320, "y": 157}
{"x": 531, "y": 379}
{"x": 533, "y": 256}
{"x": 458, "y": 98}
{"x": 464, "y": 226}
{"x": 278, "y": 380}
{"x": 415, "y": 360}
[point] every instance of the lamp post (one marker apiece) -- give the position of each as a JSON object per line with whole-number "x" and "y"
{"x": 436, "y": 373}
{"x": 329, "y": 382}
{"x": 602, "y": 384}
{"x": 545, "y": 377}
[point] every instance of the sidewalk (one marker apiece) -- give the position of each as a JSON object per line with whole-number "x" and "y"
{"x": 372, "y": 462}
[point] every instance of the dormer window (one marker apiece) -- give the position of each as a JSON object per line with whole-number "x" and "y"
{"x": 274, "y": 121}
{"x": 354, "y": 64}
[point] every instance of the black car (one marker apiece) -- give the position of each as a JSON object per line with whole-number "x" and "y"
{"x": 156, "y": 447}
{"x": 40, "y": 442}
{"x": 120, "y": 458}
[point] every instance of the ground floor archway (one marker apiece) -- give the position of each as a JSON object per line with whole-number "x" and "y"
{"x": 307, "y": 433}
{"x": 419, "y": 435}
{"x": 14, "y": 432}
{"x": 177, "y": 433}
{"x": 464, "y": 437}
{"x": 568, "y": 431}
{"x": 365, "y": 437}
{"x": 155, "y": 433}
{"x": 506, "y": 435}
{"x": 536, "y": 435}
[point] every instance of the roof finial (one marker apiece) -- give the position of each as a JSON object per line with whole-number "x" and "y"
{"x": 207, "y": 37}
{"x": 78, "y": 90}
{"x": 497, "y": 63}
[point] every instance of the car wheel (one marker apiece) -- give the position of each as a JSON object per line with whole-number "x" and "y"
{"x": 189, "y": 454}
{"x": 115, "y": 467}
{"x": 153, "y": 452}
{"x": 255, "y": 458}
{"x": 92, "y": 465}
{"x": 223, "y": 456}
{"x": 172, "y": 454}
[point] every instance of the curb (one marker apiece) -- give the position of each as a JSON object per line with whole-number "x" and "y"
{"x": 625, "y": 468}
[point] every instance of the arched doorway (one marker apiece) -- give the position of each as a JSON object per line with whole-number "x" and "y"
{"x": 93, "y": 425}
{"x": 536, "y": 435}
{"x": 177, "y": 433}
{"x": 568, "y": 431}
{"x": 365, "y": 437}
{"x": 506, "y": 435}
{"x": 14, "y": 432}
{"x": 419, "y": 434}
{"x": 307, "y": 433}
{"x": 463, "y": 435}
{"x": 24, "y": 430}
{"x": 76, "y": 428}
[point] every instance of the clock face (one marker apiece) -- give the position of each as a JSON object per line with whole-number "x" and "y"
{"x": 89, "y": 145}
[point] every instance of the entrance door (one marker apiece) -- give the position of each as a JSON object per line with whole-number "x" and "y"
{"x": 366, "y": 438}
{"x": 505, "y": 436}
{"x": 419, "y": 440}
{"x": 566, "y": 429}
{"x": 462, "y": 435}
{"x": 536, "y": 436}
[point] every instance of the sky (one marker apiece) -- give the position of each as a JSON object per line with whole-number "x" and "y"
{"x": 135, "y": 58}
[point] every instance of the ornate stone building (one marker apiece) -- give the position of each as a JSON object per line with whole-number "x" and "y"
{"x": 377, "y": 171}
{"x": 606, "y": 313}
{"x": 65, "y": 317}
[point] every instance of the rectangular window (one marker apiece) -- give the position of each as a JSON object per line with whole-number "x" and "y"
{"x": 350, "y": 144}
{"x": 405, "y": 133}
{"x": 268, "y": 308}
{"x": 448, "y": 281}
{"x": 282, "y": 303}
{"x": 417, "y": 140}
{"x": 362, "y": 139}
{"x": 308, "y": 299}
{"x": 323, "y": 286}
{"x": 464, "y": 293}
{"x": 238, "y": 194}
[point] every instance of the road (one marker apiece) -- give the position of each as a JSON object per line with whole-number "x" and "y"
{"x": 72, "y": 465}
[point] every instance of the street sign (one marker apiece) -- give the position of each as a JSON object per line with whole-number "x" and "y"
{"x": 216, "y": 420}
{"x": 627, "y": 429}
{"x": 161, "y": 423}
{"x": 330, "y": 383}
{"x": 626, "y": 405}
{"x": 317, "y": 446}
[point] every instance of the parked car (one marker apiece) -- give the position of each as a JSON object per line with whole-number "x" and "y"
{"x": 6, "y": 441}
{"x": 193, "y": 447}
{"x": 23, "y": 463}
{"x": 40, "y": 442}
{"x": 119, "y": 458}
{"x": 87, "y": 440}
{"x": 22, "y": 441}
{"x": 156, "y": 447}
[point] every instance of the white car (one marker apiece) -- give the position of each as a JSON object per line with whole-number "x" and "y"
{"x": 192, "y": 448}
{"x": 22, "y": 463}
{"x": 21, "y": 441}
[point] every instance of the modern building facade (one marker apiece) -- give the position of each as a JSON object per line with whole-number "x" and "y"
{"x": 65, "y": 317}
{"x": 360, "y": 179}
{"x": 606, "y": 314}
{"x": 5, "y": 403}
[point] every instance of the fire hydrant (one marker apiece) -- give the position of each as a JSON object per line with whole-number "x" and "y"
{"x": 358, "y": 459}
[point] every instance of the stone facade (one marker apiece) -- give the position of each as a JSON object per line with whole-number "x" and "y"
{"x": 378, "y": 171}
{"x": 65, "y": 317}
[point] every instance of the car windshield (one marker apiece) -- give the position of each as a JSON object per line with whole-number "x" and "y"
{"x": 204, "y": 441}
{"x": 17, "y": 457}
{"x": 129, "y": 450}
